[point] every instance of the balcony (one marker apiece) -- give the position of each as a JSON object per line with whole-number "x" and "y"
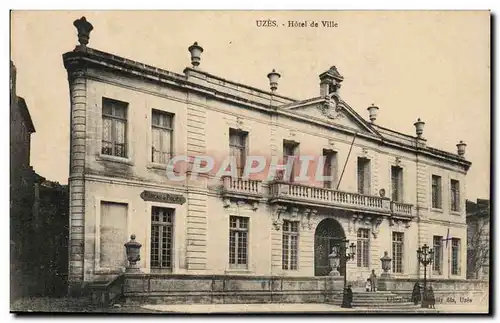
{"x": 401, "y": 210}
{"x": 317, "y": 196}
{"x": 242, "y": 189}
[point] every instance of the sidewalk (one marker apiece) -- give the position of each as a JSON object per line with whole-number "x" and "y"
{"x": 273, "y": 308}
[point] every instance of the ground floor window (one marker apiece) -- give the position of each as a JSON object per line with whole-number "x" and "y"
{"x": 438, "y": 248}
{"x": 161, "y": 237}
{"x": 455, "y": 256}
{"x": 290, "y": 244}
{"x": 397, "y": 252}
{"x": 238, "y": 242}
{"x": 363, "y": 247}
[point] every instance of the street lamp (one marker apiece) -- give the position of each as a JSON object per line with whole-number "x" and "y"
{"x": 425, "y": 257}
{"x": 345, "y": 257}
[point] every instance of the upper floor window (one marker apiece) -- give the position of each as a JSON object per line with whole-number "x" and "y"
{"x": 238, "y": 149}
{"x": 436, "y": 192}
{"x": 455, "y": 195}
{"x": 363, "y": 175}
{"x": 114, "y": 127}
{"x": 162, "y": 130}
{"x": 397, "y": 183}
{"x": 290, "y": 149}
{"x": 330, "y": 168}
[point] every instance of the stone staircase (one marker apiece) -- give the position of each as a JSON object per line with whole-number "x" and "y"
{"x": 384, "y": 301}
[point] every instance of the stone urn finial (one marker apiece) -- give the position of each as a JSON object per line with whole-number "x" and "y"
{"x": 133, "y": 253}
{"x": 461, "y": 148}
{"x": 195, "y": 51}
{"x": 273, "y": 80}
{"x": 419, "y": 127}
{"x": 84, "y": 28}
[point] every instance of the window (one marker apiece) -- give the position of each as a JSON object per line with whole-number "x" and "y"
{"x": 397, "y": 183}
{"x": 162, "y": 129}
{"x": 237, "y": 147}
{"x": 363, "y": 175}
{"x": 455, "y": 195}
{"x": 436, "y": 192}
{"x": 397, "y": 252}
{"x": 289, "y": 152}
{"x": 455, "y": 256}
{"x": 290, "y": 244}
{"x": 161, "y": 237}
{"x": 363, "y": 247}
{"x": 438, "y": 254}
{"x": 114, "y": 128}
{"x": 238, "y": 242}
{"x": 112, "y": 235}
{"x": 330, "y": 168}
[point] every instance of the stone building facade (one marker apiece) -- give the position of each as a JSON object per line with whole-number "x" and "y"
{"x": 389, "y": 191}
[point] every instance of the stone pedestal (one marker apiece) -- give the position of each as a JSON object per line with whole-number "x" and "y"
{"x": 133, "y": 268}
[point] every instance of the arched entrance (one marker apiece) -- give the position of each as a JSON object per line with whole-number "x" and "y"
{"x": 328, "y": 234}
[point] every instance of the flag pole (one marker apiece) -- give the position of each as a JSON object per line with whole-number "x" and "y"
{"x": 348, "y": 154}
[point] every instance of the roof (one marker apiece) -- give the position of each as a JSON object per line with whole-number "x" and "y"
{"x": 25, "y": 113}
{"x": 479, "y": 208}
{"x": 199, "y": 80}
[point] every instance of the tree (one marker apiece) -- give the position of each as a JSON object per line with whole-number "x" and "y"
{"x": 478, "y": 244}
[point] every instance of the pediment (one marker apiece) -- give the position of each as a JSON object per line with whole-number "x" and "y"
{"x": 333, "y": 111}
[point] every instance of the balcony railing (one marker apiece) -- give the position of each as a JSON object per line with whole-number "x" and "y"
{"x": 403, "y": 209}
{"x": 328, "y": 197}
{"x": 238, "y": 186}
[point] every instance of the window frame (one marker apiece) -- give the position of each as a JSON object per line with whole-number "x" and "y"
{"x": 399, "y": 178}
{"x": 455, "y": 269}
{"x": 438, "y": 270}
{"x": 455, "y": 195}
{"x": 243, "y": 138}
{"x": 365, "y": 162}
{"x": 439, "y": 192}
{"x": 394, "y": 244}
{"x": 363, "y": 248}
{"x": 162, "y": 129}
{"x": 162, "y": 224}
{"x": 288, "y": 144}
{"x": 330, "y": 158}
{"x": 239, "y": 231}
{"x": 289, "y": 262}
{"x": 114, "y": 120}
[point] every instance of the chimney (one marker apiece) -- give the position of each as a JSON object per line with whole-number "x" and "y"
{"x": 461, "y": 148}
{"x": 419, "y": 127}
{"x": 373, "y": 111}
{"x": 195, "y": 51}
{"x": 330, "y": 81}
{"x": 84, "y": 28}
{"x": 273, "y": 80}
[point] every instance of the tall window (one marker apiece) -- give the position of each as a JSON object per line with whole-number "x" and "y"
{"x": 436, "y": 192}
{"x": 238, "y": 242}
{"x": 237, "y": 147}
{"x": 455, "y": 195}
{"x": 363, "y": 247}
{"x": 289, "y": 152}
{"x": 330, "y": 168}
{"x": 290, "y": 244}
{"x": 363, "y": 175}
{"x": 455, "y": 256}
{"x": 397, "y": 183}
{"x": 438, "y": 254}
{"x": 114, "y": 128}
{"x": 397, "y": 252}
{"x": 161, "y": 237}
{"x": 162, "y": 129}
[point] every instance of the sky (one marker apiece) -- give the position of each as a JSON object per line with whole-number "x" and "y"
{"x": 420, "y": 64}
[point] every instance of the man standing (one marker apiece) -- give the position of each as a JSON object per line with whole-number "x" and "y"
{"x": 373, "y": 278}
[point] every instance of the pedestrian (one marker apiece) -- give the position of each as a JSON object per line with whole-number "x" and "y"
{"x": 416, "y": 293}
{"x": 373, "y": 279}
{"x": 368, "y": 285}
{"x": 431, "y": 300}
{"x": 349, "y": 296}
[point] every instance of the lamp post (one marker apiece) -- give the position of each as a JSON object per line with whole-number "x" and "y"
{"x": 425, "y": 257}
{"x": 345, "y": 257}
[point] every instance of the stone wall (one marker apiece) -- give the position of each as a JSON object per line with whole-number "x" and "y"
{"x": 227, "y": 289}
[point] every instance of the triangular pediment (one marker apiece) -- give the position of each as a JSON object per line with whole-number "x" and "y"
{"x": 331, "y": 111}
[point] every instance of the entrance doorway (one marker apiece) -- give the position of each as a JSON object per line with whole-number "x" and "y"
{"x": 328, "y": 234}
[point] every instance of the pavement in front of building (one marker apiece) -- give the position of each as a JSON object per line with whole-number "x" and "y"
{"x": 299, "y": 308}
